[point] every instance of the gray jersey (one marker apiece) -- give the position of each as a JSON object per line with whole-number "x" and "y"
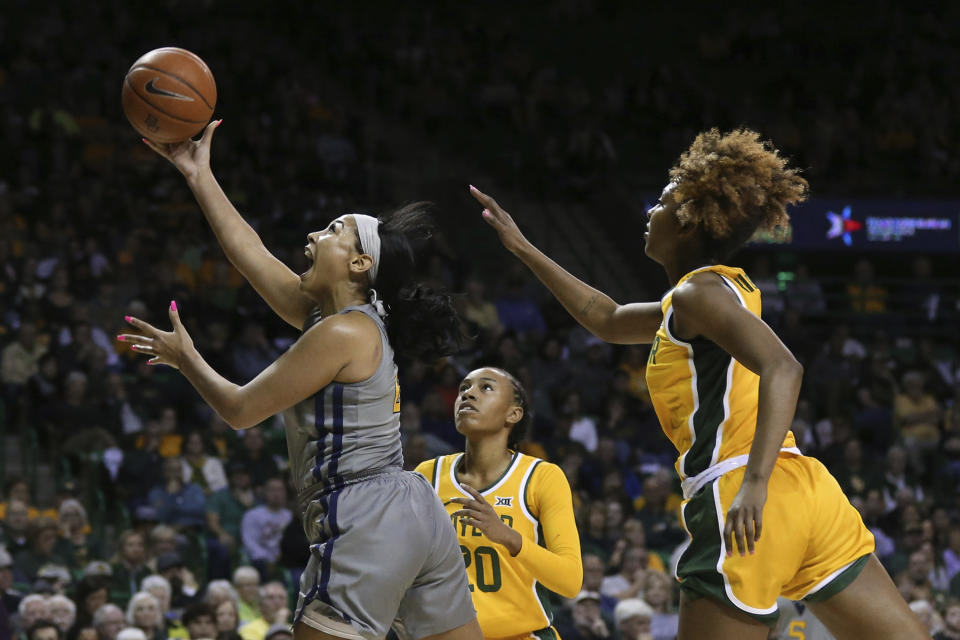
{"x": 346, "y": 430}
{"x": 798, "y": 622}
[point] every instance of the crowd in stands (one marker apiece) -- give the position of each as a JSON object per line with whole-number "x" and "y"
{"x": 165, "y": 523}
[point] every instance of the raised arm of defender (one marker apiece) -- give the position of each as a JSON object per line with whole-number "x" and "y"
{"x": 598, "y": 313}
{"x": 273, "y": 280}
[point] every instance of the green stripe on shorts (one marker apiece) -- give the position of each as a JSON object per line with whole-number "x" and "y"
{"x": 841, "y": 582}
{"x": 697, "y": 567}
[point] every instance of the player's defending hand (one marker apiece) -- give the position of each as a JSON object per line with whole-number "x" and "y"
{"x": 501, "y": 221}
{"x": 745, "y": 517}
{"x": 190, "y": 157}
{"x": 167, "y": 347}
{"x": 478, "y": 513}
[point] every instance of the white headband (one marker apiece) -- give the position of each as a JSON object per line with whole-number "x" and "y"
{"x": 368, "y": 230}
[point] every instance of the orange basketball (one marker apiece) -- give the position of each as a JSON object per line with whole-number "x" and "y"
{"x": 169, "y": 94}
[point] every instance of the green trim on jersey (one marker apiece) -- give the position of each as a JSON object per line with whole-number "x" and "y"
{"x": 437, "y": 465}
{"x": 547, "y": 634}
{"x": 503, "y": 475}
{"x": 710, "y": 363}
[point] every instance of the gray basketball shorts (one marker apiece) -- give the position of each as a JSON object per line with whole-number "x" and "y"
{"x": 382, "y": 549}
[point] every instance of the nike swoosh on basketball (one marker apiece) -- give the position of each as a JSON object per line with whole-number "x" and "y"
{"x": 151, "y": 88}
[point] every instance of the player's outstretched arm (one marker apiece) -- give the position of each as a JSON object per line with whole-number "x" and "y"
{"x": 274, "y": 281}
{"x": 322, "y": 353}
{"x": 598, "y": 313}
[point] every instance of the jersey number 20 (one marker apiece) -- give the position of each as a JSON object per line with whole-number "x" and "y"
{"x": 487, "y": 567}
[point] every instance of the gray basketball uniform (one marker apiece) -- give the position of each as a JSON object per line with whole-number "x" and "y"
{"x": 381, "y": 545}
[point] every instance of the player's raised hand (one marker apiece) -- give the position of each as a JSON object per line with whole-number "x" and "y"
{"x": 501, "y": 221}
{"x": 166, "y": 347}
{"x": 745, "y": 518}
{"x": 478, "y": 513}
{"x": 190, "y": 157}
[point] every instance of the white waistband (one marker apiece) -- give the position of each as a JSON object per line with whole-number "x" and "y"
{"x": 693, "y": 484}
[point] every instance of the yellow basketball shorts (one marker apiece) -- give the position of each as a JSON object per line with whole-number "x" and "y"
{"x": 812, "y": 544}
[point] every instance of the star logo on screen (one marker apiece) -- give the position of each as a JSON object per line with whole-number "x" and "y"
{"x": 841, "y": 225}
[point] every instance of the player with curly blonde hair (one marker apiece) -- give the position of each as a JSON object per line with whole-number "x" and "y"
{"x": 725, "y": 390}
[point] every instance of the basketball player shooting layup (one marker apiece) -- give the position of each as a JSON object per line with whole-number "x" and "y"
{"x": 725, "y": 390}
{"x": 381, "y": 541}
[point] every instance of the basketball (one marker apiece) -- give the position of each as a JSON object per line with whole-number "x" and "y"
{"x": 169, "y": 94}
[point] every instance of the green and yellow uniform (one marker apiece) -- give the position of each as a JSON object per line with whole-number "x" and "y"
{"x": 814, "y": 541}
{"x": 510, "y": 592}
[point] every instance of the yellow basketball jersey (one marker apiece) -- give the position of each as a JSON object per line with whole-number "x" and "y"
{"x": 508, "y": 599}
{"x": 706, "y": 401}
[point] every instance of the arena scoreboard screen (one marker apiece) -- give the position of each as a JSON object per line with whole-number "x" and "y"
{"x": 869, "y": 225}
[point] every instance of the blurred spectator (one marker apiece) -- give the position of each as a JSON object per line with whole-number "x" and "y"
{"x": 18, "y": 360}
{"x": 262, "y": 526}
{"x": 76, "y": 537}
{"x": 273, "y": 610}
{"x": 479, "y": 312}
{"x": 928, "y": 616}
{"x": 898, "y": 481}
{"x": 593, "y": 570}
{"x": 128, "y": 566}
{"x": 143, "y": 612}
{"x": 583, "y": 429}
{"x": 44, "y": 630}
{"x": 629, "y": 581}
{"x": 658, "y": 594}
{"x": 131, "y": 633}
{"x": 15, "y": 525}
{"x": 586, "y": 620}
{"x": 9, "y": 596}
{"x": 91, "y": 593}
{"x": 658, "y": 510}
{"x": 183, "y": 586}
{"x": 917, "y": 413}
{"x": 108, "y": 620}
{"x": 254, "y": 456}
{"x": 63, "y": 612}
{"x": 246, "y": 580}
{"x": 864, "y": 293}
{"x": 225, "y": 509}
{"x": 32, "y": 609}
{"x": 252, "y": 353}
{"x": 951, "y": 621}
{"x": 175, "y": 501}
{"x": 199, "y": 466}
{"x": 17, "y": 488}
{"x": 42, "y": 534}
{"x": 633, "y": 618}
{"x": 228, "y": 620}
{"x": 200, "y": 620}
{"x": 159, "y": 587}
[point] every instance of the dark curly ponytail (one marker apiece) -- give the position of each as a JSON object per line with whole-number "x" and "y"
{"x": 421, "y": 323}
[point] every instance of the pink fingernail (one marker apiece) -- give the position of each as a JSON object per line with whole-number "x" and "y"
{"x": 173, "y": 305}
{"x": 486, "y": 214}
{"x": 127, "y": 318}
{"x": 473, "y": 188}
{"x": 219, "y": 122}
{"x": 121, "y": 338}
